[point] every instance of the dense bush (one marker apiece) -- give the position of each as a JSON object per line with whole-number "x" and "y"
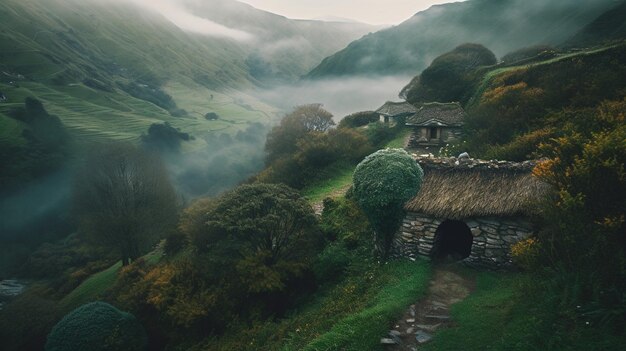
{"x": 164, "y": 137}
{"x": 518, "y": 104}
{"x": 251, "y": 256}
{"x": 383, "y": 182}
{"x": 584, "y": 235}
{"x": 150, "y": 94}
{"x": 97, "y": 326}
{"x": 41, "y": 149}
{"x": 26, "y": 321}
{"x": 304, "y": 145}
{"x": 359, "y": 119}
{"x": 303, "y": 120}
{"x": 66, "y": 263}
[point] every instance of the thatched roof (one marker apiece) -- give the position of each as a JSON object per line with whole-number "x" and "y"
{"x": 458, "y": 189}
{"x": 396, "y": 109}
{"x": 434, "y": 113}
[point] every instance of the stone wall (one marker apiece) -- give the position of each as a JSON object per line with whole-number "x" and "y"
{"x": 419, "y": 136}
{"x": 493, "y": 238}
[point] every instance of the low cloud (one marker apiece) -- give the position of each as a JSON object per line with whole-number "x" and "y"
{"x": 341, "y": 96}
{"x": 185, "y": 20}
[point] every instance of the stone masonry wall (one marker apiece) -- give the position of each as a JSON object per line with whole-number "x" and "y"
{"x": 491, "y": 245}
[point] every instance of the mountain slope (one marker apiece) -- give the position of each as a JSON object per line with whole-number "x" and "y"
{"x": 500, "y": 25}
{"x": 611, "y": 25}
{"x": 109, "y": 69}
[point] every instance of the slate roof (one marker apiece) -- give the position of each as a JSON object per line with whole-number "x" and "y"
{"x": 435, "y": 113}
{"x": 396, "y": 109}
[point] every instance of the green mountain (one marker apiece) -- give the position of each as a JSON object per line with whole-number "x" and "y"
{"x": 501, "y": 25}
{"x": 109, "y": 69}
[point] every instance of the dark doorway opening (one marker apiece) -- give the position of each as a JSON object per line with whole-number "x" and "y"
{"x": 453, "y": 241}
{"x": 433, "y": 133}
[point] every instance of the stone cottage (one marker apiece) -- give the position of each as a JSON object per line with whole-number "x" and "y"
{"x": 469, "y": 210}
{"x": 436, "y": 124}
{"x": 391, "y": 111}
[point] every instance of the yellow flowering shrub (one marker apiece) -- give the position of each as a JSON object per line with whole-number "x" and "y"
{"x": 525, "y": 254}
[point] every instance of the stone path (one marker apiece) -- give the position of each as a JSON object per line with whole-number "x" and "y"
{"x": 421, "y": 320}
{"x": 318, "y": 207}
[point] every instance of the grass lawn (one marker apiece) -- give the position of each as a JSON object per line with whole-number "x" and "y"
{"x": 332, "y": 187}
{"x": 503, "y": 314}
{"x": 406, "y": 282}
{"x": 399, "y": 141}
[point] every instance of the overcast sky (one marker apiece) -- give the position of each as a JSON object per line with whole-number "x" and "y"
{"x": 368, "y": 11}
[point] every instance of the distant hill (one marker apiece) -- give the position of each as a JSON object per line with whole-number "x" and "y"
{"x": 501, "y": 25}
{"x": 110, "y": 69}
{"x": 609, "y": 26}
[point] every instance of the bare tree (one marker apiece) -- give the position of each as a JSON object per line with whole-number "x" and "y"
{"x": 123, "y": 198}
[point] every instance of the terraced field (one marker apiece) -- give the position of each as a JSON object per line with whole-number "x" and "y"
{"x": 97, "y": 116}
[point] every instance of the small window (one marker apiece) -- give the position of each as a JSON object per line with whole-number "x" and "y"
{"x": 433, "y": 133}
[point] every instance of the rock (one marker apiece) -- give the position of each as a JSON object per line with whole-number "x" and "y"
{"x": 422, "y": 337}
{"x": 394, "y": 333}
{"x": 429, "y": 328}
{"x": 388, "y": 341}
{"x": 410, "y": 320}
{"x": 438, "y": 317}
{"x": 464, "y": 155}
{"x": 410, "y": 330}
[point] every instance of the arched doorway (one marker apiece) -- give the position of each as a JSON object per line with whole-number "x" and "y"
{"x": 453, "y": 241}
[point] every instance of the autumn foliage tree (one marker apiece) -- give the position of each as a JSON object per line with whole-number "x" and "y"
{"x": 123, "y": 199}
{"x": 584, "y": 237}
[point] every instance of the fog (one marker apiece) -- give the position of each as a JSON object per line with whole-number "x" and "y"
{"x": 176, "y": 13}
{"x": 341, "y": 96}
{"x": 225, "y": 162}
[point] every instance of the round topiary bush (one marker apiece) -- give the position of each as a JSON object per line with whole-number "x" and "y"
{"x": 97, "y": 326}
{"x": 383, "y": 182}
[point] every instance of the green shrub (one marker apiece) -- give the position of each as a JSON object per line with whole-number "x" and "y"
{"x": 332, "y": 263}
{"x": 343, "y": 221}
{"x": 97, "y": 326}
{"x": 383, "y": 182}
{"x": 25, "y": 321}
{"x": 359, "y": 119}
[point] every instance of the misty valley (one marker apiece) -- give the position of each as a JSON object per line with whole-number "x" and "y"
{"x": 252, "y": 175}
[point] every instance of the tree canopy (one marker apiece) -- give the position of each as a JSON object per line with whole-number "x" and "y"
{"x": 123, "y": 198}
{"x": 302, "y": 120}
{"x": 270, "y": 224}
{"x": 383, "y": 182}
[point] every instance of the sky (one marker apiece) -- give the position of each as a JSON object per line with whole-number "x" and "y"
{"x": 368, "y": 11}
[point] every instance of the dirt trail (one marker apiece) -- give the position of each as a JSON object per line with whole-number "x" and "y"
{"x": 318, "y": 207}
{"x": 420, "y": 321}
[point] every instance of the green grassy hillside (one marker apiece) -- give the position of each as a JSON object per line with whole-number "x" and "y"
{"x": 502, "y": 26}
{"x": 110, "y": 69}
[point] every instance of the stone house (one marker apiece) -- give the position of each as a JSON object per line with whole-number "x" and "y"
{"x": 436, "y": 124}
{"x": 470, "y": 211}
{"x": 391, "y": 111}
